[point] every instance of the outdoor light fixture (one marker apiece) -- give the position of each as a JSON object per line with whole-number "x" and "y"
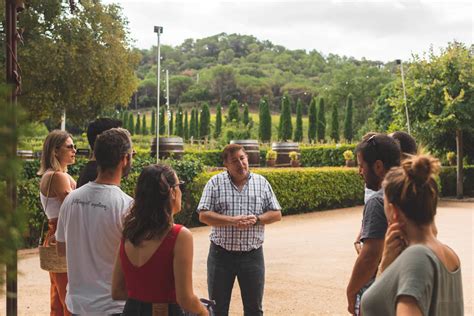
{"x": 158, "y": 30}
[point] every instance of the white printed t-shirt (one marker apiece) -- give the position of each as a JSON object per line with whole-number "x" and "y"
{"x": 90, "y": 223}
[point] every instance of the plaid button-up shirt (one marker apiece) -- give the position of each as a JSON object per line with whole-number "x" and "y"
{"x": 220, "y": 195}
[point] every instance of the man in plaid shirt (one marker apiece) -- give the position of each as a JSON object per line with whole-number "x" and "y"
{"x": 237, "y": 204}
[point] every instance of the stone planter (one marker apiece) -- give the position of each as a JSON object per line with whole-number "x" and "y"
{"x": 350, "y": 163}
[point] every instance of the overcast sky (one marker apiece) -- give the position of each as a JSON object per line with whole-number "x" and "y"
{"x": 377, "y": 30}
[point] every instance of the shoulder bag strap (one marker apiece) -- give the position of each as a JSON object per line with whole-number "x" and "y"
{"x": 40, "y": 242}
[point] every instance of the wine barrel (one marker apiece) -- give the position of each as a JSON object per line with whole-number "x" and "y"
{"x": 251, "y": 148}
{"x": 170, "y": 147}
{"x": 83, "y": 152}
{"x": 283, "y": 149}
{"x": 25, "y": 155}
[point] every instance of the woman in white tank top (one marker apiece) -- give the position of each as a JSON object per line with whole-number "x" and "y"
{"x": 59, "y": 151}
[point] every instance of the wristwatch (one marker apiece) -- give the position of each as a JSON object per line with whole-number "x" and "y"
{"x": 257, "y": 221}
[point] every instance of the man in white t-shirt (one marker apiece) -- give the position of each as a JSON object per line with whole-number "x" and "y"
{"x": 90, "y": 228}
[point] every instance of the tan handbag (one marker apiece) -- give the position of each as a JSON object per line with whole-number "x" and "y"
{"x": 49, "y": 259}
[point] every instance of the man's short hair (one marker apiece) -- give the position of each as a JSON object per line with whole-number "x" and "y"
{"x": 380, "y": 147}
{"x": 406, "y": 141}
{"x": 110, "y": 148}
{"x": 230, "y": 150}
{"x": 98, "y": 126}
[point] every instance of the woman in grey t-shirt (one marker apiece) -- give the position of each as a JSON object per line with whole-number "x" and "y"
{"x": 425, "y": 279}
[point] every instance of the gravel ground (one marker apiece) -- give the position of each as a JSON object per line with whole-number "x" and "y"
{"x": 308, "y": 258}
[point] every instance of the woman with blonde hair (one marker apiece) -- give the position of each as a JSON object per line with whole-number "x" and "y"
{"x": 153, "y": 269}
{"x": 58, "y": 152}
{"x": 425, "y": 277}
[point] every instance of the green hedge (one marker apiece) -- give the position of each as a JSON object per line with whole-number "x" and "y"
{"x": 448, "y": 181}
{"x": 324, "y": 155}
{"x": 299, "y": 190}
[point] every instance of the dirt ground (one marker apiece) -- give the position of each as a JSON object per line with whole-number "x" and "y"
{"x": 308, "y": 259}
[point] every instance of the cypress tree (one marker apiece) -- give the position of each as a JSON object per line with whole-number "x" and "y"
{"x": 218, "y": 130}
{"x": 233, "y": 113}
{"x": 205, "y": 124}
{"x": 334, "y": 124}
{"x": 170, "y": 122}
{"x": 245, "y": 116}
{"x": 299, "y": 122}
{"x": 191, "y": 124}
{"x": 162, "y": 121}
{"x": 321, "y": 122}
{"x": 125, "y": 120}
{"x": 196, "y": 123}
{"x": 186, "y": 126}
{"x": 179, "y": 122}
{"x": 138, "y": 125}
{"x": 153, "y": 122}
{"x": 285, "y": 128}
{"x": 131, "y": 125}
{"x": 312, "y": 119}
{"x": 144, "y": 129}
{"x": 348, "y": 120}
{"x": 265, "y": 119}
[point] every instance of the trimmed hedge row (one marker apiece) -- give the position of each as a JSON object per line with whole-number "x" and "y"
{"x": 448, "y": 181}
{"x": 298, "y": 190}
{"x": 324, "y": 155}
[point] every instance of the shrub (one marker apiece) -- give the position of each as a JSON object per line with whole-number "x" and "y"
{"x": 301, "y": 190}
{"x": 293, "y": 155}
{"x": 448, "y": 181}
{"x": 348, "y": 155}
{"x": 324, "y": 155}
{"x": 271, "y": 155}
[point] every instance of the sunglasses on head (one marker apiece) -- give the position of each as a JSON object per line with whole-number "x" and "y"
{"x": 180, "y": 184}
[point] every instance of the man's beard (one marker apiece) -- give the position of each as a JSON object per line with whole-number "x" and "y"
{"x": 372, "y": 181}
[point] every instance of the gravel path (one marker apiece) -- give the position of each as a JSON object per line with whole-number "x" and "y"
{"x": 308, "y": 258}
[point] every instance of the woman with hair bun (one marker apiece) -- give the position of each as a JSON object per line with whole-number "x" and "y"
{"x": 424, "y": 279}
{"x": 153, "y": 269}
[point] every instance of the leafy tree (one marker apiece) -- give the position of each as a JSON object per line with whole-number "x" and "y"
{"x": 218, "y": 129}
{"x": 334, "y": 124}
{"x": 285, "y": 127}
{"x": 223, "y": 83}
{"x": 299, "y": 122}
{"x": 179, "y": 122}
{"x": 205, "y": 123}
{"x": 440, "y": 98}
{"x": 265, "y": 119}
{"x": 312, "y": 120}
{"x": 153, "y": 122}
{"x": 233, "y": 114}
{"x": 138, "y": 125}
{"x": 79, "y": 62}
{"x": 348, "y": 132}
{"x": 321, "y": 122}
{"x": 162, "y": 120}
{"x": 192, "y": 124}
{"x": 245, "y": 116}
{"x": 178, "y": 86}
{"x": 144, "y": 128}
{"x": 186, "y": 126}
{"x": 131, "y": 124}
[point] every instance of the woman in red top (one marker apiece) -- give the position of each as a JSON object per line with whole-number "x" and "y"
{"x": 153, "y": 269}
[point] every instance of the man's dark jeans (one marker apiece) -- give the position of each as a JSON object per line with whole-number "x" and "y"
{"x": 249, "y": 268}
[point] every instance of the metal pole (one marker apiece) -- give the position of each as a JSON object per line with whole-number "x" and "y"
{"x": 13, "y": 78}
{"x": 168, "y": 101}
{"x": 158, "y": 30}
{"x": 404, "y": 95}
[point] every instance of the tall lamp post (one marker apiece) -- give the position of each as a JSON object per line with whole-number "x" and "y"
{"x": 399, "y": 62}
{"x": 158, "y": 30}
